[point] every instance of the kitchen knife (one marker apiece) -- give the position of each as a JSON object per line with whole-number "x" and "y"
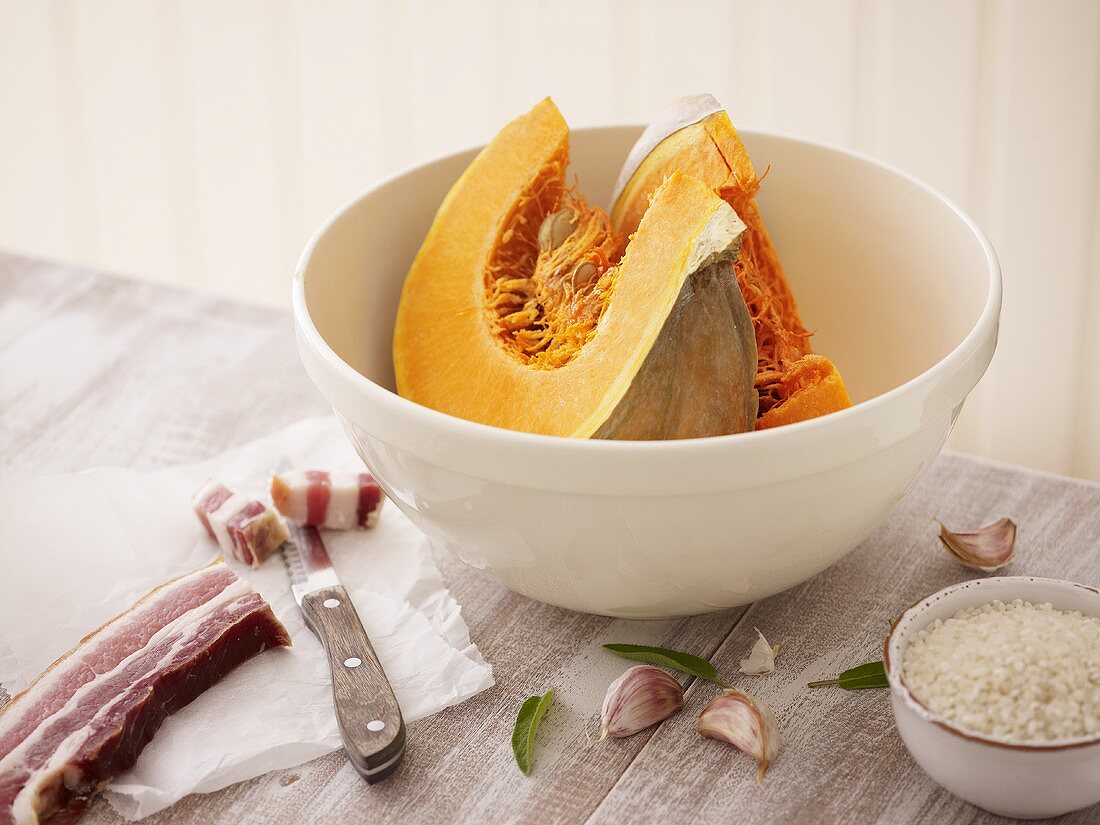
{"x": 366, "y": 709}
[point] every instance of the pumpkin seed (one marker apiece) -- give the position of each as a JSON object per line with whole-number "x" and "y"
{"x": 584, "y": 273}
{"x": 555, "y": 228}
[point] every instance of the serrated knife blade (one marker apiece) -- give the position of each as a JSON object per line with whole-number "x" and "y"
{"x": 307, "y": 562}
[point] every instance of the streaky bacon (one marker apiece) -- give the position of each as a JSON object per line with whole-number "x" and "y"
{"x": 248, "y": 530}
{"x": 336, "y": 501}
{"x": 88, "y": 716}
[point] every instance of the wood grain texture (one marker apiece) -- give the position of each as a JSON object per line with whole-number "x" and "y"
{"x": 841, "y": 759}
{"x": 361, "y": 694}
{"x": 97, "y": 370}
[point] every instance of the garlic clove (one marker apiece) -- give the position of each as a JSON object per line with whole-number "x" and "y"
{"x": 641, "y": 697}
{"x": 761, "y": 658}
{"x": 988, "y": 548}
{"x": 744, "y": 722}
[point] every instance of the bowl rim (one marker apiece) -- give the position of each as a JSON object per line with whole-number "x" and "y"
{"x": 904, "y": 624}
{"x": 792, "y": 435}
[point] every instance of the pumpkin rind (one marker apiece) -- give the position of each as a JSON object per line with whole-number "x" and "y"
{"x": 656, "y": 405}
{"x": 695, "y": 136}
{"x": 453, "y": 352}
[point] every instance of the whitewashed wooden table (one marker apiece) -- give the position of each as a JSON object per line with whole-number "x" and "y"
{"x": 98, "y": 370}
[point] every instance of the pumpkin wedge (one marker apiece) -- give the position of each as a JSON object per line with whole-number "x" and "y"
{"x": 524, "y": 308}
{"x": 695, "y": 136}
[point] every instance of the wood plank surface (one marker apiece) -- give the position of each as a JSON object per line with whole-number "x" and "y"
{"x": 841, "y": 759}
{"x": 98, "y": 370}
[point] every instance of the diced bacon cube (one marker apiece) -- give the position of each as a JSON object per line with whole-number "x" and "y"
{"x": 370, "y": 500}
{"x": 248, "y": 530}
{"x": 336, "y": 501}
{"x": 209, "y": 498}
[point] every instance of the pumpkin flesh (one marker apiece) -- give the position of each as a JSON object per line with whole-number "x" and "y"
{"x": 697, "y": 138}
{"x": 503, "y": 324}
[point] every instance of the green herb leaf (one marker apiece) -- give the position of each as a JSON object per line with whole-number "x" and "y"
{"x": 527, "y": 725}
{"x": 672, "y": 659}
{"x": 870, "y": 675}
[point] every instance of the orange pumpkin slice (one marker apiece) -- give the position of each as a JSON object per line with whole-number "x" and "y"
{"x": 695, "y": 137}
{"x": 525, "y": 309}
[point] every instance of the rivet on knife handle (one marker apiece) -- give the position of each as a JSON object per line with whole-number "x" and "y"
{"x": 366, "y": 709}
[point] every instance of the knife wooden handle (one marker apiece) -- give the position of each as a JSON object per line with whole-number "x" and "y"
{"x": 366, "y": 709}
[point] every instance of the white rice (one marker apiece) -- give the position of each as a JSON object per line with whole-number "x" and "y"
{"x": 1019, "y": 671}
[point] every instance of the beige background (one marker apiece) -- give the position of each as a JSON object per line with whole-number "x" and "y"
{"x": 200, "y": 143}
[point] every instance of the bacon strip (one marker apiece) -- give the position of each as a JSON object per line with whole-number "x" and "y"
{"x": 337, "y": 501}
{"x": 88, "y": 716}
{"x": 248, "y": 530}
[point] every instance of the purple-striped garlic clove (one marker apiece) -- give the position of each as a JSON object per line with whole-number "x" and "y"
{"x": 640, "y": 698}
{"x": 744, "y": 722}
{"x": 987, "y": 549}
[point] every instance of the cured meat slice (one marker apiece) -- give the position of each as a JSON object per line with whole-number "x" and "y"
{"x": 337, "y": 501}
{"x": 88, "y": 716}
{"x": 248, "y": 530}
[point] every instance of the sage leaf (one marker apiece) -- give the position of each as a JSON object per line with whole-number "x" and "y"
{"x": 870, "y": 675}
{"x": 527, "y": 725}
{"x": 672, "y": 659}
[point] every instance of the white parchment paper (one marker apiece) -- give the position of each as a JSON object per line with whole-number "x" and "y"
{"x": 75, "y": 550}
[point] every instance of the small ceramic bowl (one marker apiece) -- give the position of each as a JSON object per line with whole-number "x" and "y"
{"x": 1023, "y": 781}
{"x": 904, "y": 291}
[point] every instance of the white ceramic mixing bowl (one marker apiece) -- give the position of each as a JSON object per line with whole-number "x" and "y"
{"x": 905, "y": 293}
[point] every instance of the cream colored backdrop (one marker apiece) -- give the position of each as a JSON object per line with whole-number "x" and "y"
{"x": 199, "y": 143}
